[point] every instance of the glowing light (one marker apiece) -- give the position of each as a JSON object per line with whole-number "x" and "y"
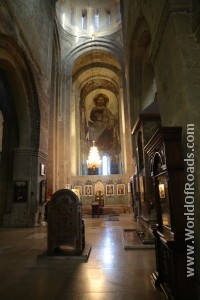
{"x": 106, "y": 165}
{"x": 108, "y": 256}
{"x": 94, "y": 160}
{"x": 63, "y": 20}
{"x": 92, "y": 31}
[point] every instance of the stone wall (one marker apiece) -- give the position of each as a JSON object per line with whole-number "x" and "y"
{"x": 35, "y": 18}
{"x": 175, "y": 57}
{"x": 25, "y": 51}
{"x": 29, "y": 24}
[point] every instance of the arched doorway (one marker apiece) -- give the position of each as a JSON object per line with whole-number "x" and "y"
{"x": 9, "y": 140}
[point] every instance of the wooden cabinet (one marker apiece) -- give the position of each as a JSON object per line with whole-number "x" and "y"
{"x": 167, "y": 173}
{"x": 146, "y": 125}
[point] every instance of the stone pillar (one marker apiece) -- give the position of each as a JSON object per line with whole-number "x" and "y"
{"x": 26, "y": 173}
{"x": 66, "y": 96}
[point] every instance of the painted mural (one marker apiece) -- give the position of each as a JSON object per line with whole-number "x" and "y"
{"x": 102, "y": 127}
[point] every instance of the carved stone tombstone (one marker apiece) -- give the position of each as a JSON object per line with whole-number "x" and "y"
{"x": 66, "y": 233}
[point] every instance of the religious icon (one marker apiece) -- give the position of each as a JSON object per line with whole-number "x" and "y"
{"x": 109, "y": 189}
{"x": 161, "y": 188}
{"x": 88, "y": 190}
{"x": 78, "y": 187}
{"x": 77, "y": 192}
{"x": 121, "y": 189}
{"x": 103, "y": 124}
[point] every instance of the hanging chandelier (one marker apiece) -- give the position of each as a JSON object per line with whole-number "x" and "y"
{"x": 94, "y": 160}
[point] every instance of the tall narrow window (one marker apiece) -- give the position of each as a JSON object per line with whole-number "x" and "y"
{"x": 105, "y": 165}
{"x": 96, "y": 19}
{"x": 108, "y": 18}
{"x": 63, "y": 20}
{"x": 118, "y": 14}
{"x": 84, "y": 19}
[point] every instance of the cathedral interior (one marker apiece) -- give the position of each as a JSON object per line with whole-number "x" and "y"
{"x": 100, "y": 98}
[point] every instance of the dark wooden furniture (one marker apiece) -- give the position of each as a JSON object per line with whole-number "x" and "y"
{"x": 66, "y": 231}
{"x": 147, "y": 124}
{"x": 95, "y": 209}
{"x": 99, "y": 198}
{"x": 167, "y": 173}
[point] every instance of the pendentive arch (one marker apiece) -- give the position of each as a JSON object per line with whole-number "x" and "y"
{"x": 142, "y": 81}
{"x": 21, "y": 127}
{"x": 20, "y": 77}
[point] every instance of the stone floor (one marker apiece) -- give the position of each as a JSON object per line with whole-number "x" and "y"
{"x": 111, "y": 273}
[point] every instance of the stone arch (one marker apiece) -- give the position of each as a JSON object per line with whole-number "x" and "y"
{"x": 20, "y": 76}
{"x": 102, "y": 69}
{"x": 100, "y": 45}
{"x": 21, "y": 130}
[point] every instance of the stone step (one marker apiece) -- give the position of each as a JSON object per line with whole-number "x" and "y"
{"x": 108, "y": 209}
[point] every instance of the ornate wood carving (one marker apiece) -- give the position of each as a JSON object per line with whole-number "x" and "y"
{"x": 167, "y": 172}
{"x": 65, "y": 223}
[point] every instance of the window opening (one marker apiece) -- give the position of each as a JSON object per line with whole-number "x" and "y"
{"x": 105, "y": 165}
{"x": 96, "y": 19}
{"x": 84, "y": 19}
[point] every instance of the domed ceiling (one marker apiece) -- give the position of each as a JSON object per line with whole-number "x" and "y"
{"x": 89, "y": 17}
